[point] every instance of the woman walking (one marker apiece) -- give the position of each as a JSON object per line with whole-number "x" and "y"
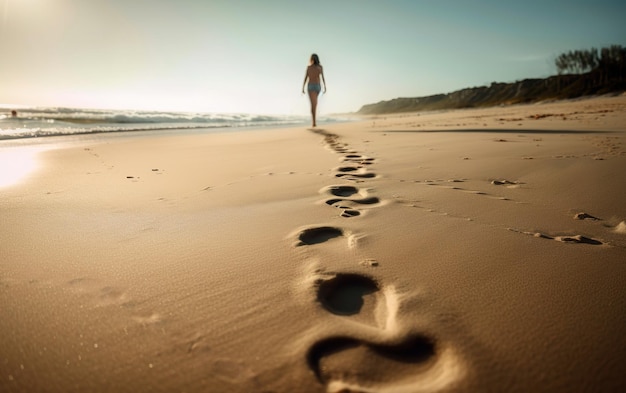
{"x": 315, "y": 76}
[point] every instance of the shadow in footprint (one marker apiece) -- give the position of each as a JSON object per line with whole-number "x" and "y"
{"x": 367, "y": 201}
{"x": 347, "y": 169}
{"x": 350, "y": 213}
{"x": 357, "y": 362}
{"x": 573, "y": 239}
{"x": 356, "y": 175}
{"x": 343, "y": 191}
{"x": 318, "y": 235}
{"x": 358, "y": 159}
{"x": 578, "y": 239}
{"x": 363, "y": 201}
{"x": 343, "y": 294}
{"x": 417, "y": 349}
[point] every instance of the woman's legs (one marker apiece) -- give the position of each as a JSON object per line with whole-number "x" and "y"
{"x": 313, "y": 97}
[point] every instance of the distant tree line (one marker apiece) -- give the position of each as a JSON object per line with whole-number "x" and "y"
{"x": 604, "y": 65}
{"x": 580, "y": 73}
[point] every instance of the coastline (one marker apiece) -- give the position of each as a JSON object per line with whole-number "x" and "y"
{"x": 413, "y": 252}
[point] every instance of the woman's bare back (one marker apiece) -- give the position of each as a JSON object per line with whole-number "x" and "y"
{"x": 313, "y": 72}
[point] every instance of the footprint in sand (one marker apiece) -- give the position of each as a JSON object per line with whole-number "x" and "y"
{"x": 345, "y": 294}
{"x": 360, "y": 298}
{"x": 585, "y": 216}
{"x": 578, "y": 239}
{"x": 322, "y": 234}
{"x": 347, "y": 213}
{"x": 391, "y": 362}
{"x": 507, "y": 183}
{"x": 347, "y": 364}
{"x": 342, "y": 191}
{"x": 347, "y": 169}
{"x": 332, "y": 141}
{"x": 572, "y": 239}
{"x": 362, "y": 201}
{"x": 439, "y": 184}
{"x": 358, "y": 159}
{"x": 318, "y": 235}
{"x": 353, "y": 173}
{"x": 356, "y": 176}
{"x": 348, "y": 205}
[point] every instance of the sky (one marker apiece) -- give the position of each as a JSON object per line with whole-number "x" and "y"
{"x": 249, "y": 56}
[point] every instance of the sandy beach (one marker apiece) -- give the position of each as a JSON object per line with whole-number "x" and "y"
{"x": 477, "y": 250}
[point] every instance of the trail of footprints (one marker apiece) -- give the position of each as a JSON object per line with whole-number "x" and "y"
{"x": 571, "y": 239}
{"x": 378, "y": 348}
{"x": 358, "y": 361}
{"x": 350, "y": 199}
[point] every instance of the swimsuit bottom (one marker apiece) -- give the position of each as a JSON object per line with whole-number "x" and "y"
{"x": 316, "y": 87}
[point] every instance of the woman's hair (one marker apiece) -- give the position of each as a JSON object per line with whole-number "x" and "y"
{"x": 314, "y": 59}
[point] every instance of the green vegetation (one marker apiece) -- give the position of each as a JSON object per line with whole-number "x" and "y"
{"x": 603, "y": 66}
{"x": 580, "y": 73}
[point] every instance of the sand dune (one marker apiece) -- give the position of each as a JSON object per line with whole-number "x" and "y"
{"x": 461, "y": 251}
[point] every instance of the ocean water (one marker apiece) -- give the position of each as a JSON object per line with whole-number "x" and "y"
{"x": 41, "y": 122}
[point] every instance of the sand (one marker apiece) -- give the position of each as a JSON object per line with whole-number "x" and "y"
{"x": 457, "y": 251}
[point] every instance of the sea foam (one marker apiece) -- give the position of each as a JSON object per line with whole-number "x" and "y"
{"x": 37, "y": 122}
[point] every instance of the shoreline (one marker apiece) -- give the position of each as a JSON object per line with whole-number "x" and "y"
{"x": 458, "y": 251}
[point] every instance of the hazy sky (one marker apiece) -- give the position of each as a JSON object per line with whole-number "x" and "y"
{"x": 250, "y": 56}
